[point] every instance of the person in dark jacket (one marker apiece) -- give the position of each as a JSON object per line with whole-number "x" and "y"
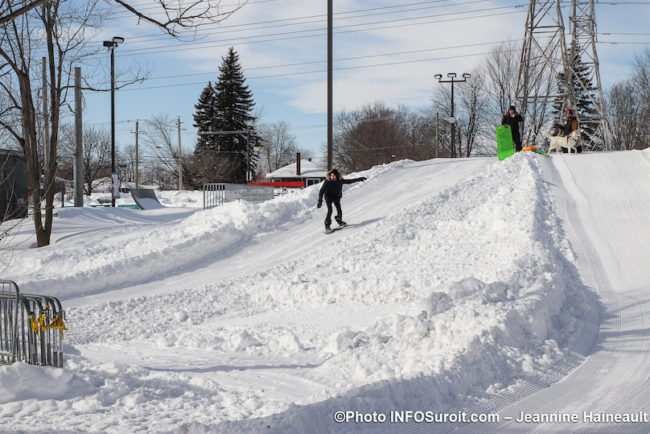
{"x": 570, "y": 125}
{"x": 512, "y": 119}
{"x": 332, "y": 190}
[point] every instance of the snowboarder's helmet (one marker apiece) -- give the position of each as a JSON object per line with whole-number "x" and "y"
{"x": 512, "y": 108}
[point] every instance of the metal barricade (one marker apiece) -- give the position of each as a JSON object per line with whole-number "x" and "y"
{"x": 218, "y": 194}
{"x": 31, "y": 327}
{"x": 9, "y": 304}
{"x": 213, "y": 195}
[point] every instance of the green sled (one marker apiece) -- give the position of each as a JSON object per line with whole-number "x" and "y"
{"x": 505, "y": 147}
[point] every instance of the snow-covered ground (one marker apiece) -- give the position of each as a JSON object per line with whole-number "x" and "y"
{"x": 170, "y": 198}
{"x": 459, "y": 285}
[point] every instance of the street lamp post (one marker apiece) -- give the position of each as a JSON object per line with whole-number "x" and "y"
{"x": 111, "y": 45}
{"x": 452, "y": 120}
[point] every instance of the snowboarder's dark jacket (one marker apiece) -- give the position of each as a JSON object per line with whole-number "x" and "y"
{"x": 332, "y": 189}
{"x": 513, "y": 123}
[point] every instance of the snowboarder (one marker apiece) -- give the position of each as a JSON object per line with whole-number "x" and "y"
{"x": 512, "y": 119}
{"x": 332, "y": 189}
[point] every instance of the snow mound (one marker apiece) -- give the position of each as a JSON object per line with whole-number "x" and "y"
{"x": 130, "y": 257}
{"x": 20, "y": 382}
{"x": 471, "y": 290}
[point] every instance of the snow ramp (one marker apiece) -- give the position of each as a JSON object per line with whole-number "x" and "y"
{"x": 146, "y": 198}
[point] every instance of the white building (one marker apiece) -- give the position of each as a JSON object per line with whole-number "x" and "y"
{"x": 306, "y": 171}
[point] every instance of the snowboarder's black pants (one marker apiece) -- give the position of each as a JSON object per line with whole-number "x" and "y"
{"x": 339, "y": 213}
{"x": 517, "y": 142}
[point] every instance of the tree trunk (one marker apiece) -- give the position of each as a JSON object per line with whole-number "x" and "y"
{"x": 30, "y": 149}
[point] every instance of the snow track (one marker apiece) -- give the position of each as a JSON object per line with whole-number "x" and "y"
{"x": 604, "y": 202}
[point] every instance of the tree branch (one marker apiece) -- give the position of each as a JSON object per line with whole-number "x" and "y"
{"x": 183, "y": 17}
{"x": 15, "y": 14}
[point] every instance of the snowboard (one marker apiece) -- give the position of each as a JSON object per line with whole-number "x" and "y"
{"x": 505, "y": 147}
{"x": 338, "y": 228}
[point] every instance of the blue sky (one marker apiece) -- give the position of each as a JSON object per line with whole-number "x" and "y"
{"x": 386, "y": 51}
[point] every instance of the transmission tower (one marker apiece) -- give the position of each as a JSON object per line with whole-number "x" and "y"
{"x": 583, "y": 41}
{"x": 543, "y": 56}
{"x": 546, "y": 62}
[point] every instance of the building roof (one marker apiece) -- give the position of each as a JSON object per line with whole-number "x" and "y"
{"x": 13, "y": 152}
{"x": 308, "y": 169}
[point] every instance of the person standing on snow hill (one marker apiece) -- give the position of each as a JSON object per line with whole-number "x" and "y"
{"x": 571, "y": 124}
{"x": 512, "y": 119}
{"x": 332, "y": 189}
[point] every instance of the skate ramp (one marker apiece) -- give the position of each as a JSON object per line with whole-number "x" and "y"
{"x": 146, "y": 198}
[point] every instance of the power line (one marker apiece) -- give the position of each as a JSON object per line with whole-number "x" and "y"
{"x": 318, "y": 71}
{"x": 623, "y": 42}
{"x": 219, "y": 26}
{"x": 140, "y": 51}
{"x": 342, "y": 59}
{"x": 284, "y": 22}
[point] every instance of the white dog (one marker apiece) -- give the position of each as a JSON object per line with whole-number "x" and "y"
{"x": 559, "y": 142}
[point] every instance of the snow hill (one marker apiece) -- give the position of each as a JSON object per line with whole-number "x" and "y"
{"x": 459, "y": 285}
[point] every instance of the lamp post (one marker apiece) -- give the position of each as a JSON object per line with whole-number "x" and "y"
{"x": 330, "y": 91}
{"x": 452, "y": 119}
{"x": 111, "y": 45}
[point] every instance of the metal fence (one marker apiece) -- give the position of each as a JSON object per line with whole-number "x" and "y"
{"x": 31, "y": 327}
{"x": 218, "y": 194}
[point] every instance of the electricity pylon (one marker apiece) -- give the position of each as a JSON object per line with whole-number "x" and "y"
{"x": 546, "y": 62}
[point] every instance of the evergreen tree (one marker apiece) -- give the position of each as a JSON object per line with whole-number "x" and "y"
{"x": 204, "y": 120}
{"x": 227, "y": 106}
{"x": 584, "y": 106}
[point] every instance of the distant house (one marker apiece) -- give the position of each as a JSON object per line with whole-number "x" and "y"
{"x": 304, "y": 171}
{"x": 14, "y": 194}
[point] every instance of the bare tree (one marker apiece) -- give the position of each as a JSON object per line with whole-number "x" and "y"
{"x": 159, "y": 136}
{"x": 96, "y": 154}
{"x": 175, "y": 16}
{"x": 641, "y": 80}
{"x": 11, "y": 10}
{"x": 501, "y": 70}
{"x": 41, "y": 30}
{"x": 279, "y": 146}
{"x": 473, "y": 111}
{"x": 625, "y": 110}
{"x": 58, "y": 30}
{"x": 377, "y": 134}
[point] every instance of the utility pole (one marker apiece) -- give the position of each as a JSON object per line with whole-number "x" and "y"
{"x": 180, "y": 156}
{"x": 452, "y": 119}
{"x": 330, "y": 95}
{"x": 437, "y": 126}
{"x": 112, "y": 45}
{"x": 137, "y": 159}
{"x": 46, "y": 116}
{"x": 78, "y": 141}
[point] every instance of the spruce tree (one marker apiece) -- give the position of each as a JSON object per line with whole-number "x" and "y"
{"x": 204, "y": 121}
{"x": 584, "y": 106}
{"x": 226, "y": 106}
{"x": 234, "y": 106}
